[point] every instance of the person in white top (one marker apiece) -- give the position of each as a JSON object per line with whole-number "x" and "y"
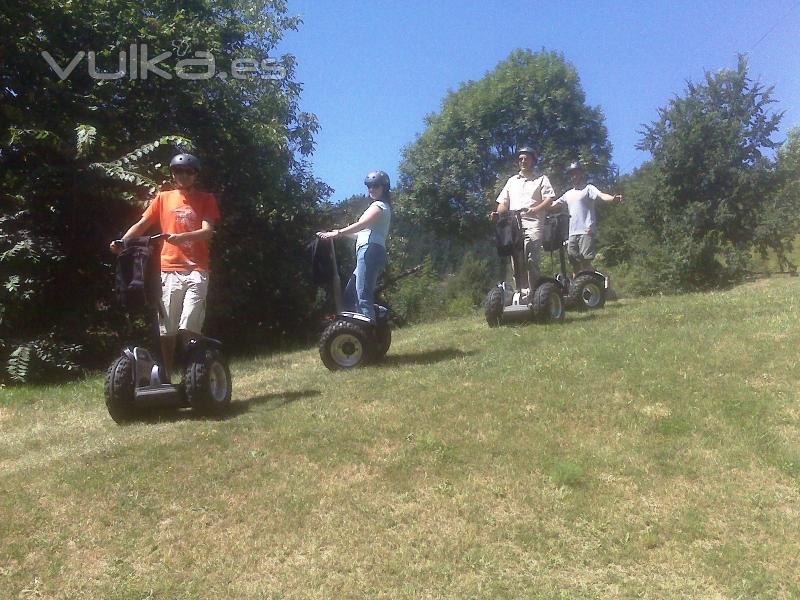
{"x": 580, "y": 201}
{"x": 533, "y": 195}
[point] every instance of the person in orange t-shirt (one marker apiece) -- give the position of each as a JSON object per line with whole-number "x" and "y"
{"x": 188, "y": 217}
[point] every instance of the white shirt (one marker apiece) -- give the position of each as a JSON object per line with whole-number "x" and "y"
{"x": 523, "y": 192}
{"x": 581, "y": 204}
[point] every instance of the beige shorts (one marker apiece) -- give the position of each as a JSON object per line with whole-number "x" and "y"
{"x": 183, "y": 302}
{"x": 582, "y": 247}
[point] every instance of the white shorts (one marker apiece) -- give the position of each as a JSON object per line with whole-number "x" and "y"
{"x": 183, "y": 302}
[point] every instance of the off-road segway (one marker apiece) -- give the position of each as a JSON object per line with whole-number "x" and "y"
{"x": 587, "y": 290}
{"x": 136, "y": 381}
{"x": 540, "y": 301}
{"x": 350, "y": 339}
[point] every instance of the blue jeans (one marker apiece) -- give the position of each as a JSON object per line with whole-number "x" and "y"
{"x": 359, "y": 295}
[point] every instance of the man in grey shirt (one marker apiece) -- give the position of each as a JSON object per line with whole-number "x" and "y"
{"x": 580, "y": 200}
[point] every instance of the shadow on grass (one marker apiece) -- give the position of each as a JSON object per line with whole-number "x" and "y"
{"x": 276, "y": 400}
{"x": 582, "y": 316}
{"x": 597, "y": 313}
{"x": 238, "y": 407}
{"x": 423, "y": 358}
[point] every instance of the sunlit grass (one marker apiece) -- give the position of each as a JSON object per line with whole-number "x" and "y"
{"x": 650, "y": 449}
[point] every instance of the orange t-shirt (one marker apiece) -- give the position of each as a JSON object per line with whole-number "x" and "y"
{"x": 177, "y": 211}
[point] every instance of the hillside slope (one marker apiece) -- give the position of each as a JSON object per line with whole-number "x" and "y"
{"x": 650, "y": 449}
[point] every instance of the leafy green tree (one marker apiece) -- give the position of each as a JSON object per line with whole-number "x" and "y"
{"x": 452, "y": 172}
{"x": 43, "y": 247}
{"x": 779, "y": 225}
{"x": 249, "y": 133}
{"x": 713, "y": 175}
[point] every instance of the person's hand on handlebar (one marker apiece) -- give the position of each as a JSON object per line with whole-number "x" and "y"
{"x": 116, "y": 246}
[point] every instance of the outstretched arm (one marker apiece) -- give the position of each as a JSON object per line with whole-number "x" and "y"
{"x": 368, "y": 218}
{"x": 616, "y": 198}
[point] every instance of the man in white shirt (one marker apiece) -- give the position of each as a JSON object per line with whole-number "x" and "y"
{"x": 533, "y": 195}
{"x": 580, "y": 200}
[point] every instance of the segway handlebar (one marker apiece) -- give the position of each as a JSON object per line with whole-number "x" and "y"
{"x": 153, "y": 239}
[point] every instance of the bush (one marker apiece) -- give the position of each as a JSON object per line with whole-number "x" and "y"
{"x": 459, "y": 306}
{"x": 429, "y": 295}
{"x": 471, "y": 280}
{"x": 419, "y": 297}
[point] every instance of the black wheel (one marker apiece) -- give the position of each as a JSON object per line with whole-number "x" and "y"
{"x": 493, "y": 307}
{"x": 587, "y": 292}
{"x": 566, "y": 297}
{"x": 383, "y": 339}
{"x": 119, "y": 390}
{"x": 343, "y": 346}
{"x": 207, "y": 383}
{"x": 547, "y": 304}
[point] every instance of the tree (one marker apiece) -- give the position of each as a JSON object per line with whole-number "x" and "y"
{"x": 43, "y": 247}
{"x": 779, "y": 225}
{"x": 249, "y": 133}
{"x": 452, "y": 172}
{"x": 715, "y": 177}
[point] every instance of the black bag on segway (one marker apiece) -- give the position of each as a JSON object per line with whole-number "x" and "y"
{"x": 137, "y": 280}
{"x": 555, "y": 231}
{"x": 321, "y": 265}
{"x": 508, "y": 234}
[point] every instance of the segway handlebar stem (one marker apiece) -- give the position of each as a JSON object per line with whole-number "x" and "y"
{"x": 337, "y": 282}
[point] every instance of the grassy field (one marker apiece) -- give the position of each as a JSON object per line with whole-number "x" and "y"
{"x": 651, "y": 450}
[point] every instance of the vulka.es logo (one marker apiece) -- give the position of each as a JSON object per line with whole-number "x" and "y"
{"x": 137, "y": 65}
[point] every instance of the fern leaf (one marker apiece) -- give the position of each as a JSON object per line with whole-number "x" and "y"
{"x": 86, "y": 135}
{"x": 116, "y": 171}
{"x": 176, "y": 140}
{"x": 19, "y": 362}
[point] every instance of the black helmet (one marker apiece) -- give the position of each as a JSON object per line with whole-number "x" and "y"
{"x": 185, "y": 160}
{"x": 377, "y": 178}
{"x": 575, "y": 166}
{"x": 528, "y": 150}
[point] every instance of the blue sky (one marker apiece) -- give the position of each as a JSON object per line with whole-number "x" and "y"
{"x": 371, "y": 71}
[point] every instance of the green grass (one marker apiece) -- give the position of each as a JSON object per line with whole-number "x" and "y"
{"x": 651, "y": 449}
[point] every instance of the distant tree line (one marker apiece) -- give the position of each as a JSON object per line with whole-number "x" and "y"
{"x": 719, "y": 192}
